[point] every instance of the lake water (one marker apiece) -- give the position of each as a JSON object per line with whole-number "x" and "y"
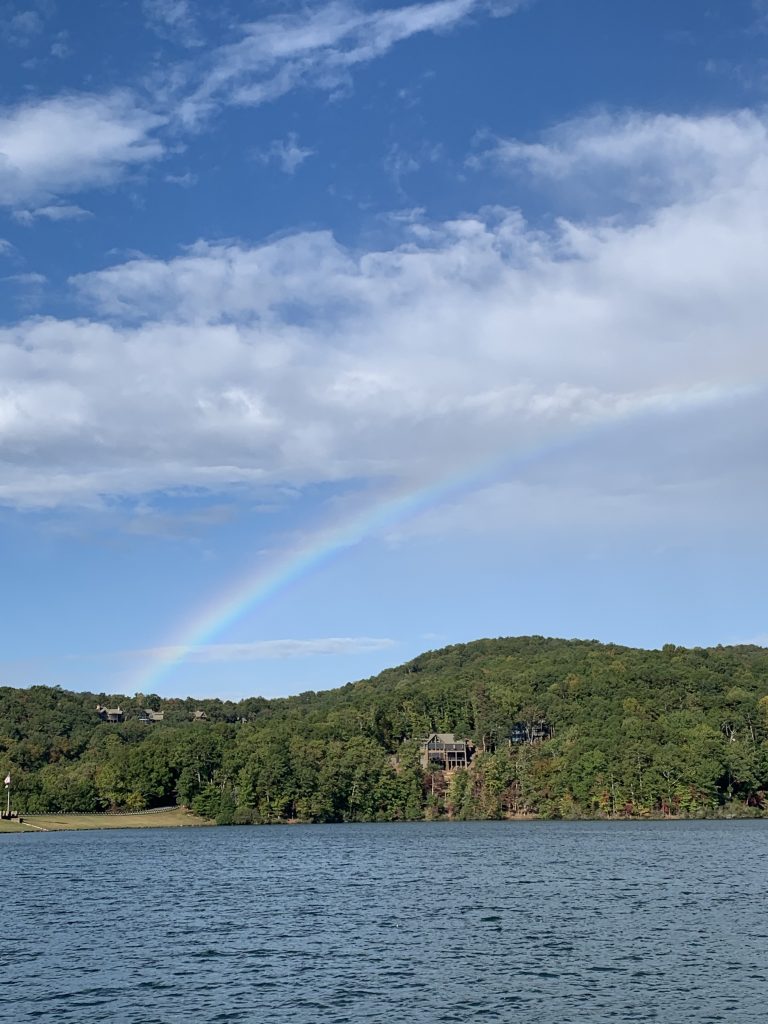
{"x": 486, "y": 921}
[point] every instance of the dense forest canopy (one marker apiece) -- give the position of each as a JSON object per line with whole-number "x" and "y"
{"x": 629, "y": 732}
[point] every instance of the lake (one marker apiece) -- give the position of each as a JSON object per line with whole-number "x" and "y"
{"x": 553, "y": 922}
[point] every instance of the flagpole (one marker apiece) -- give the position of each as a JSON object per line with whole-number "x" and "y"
{"x": 8, "y": 791}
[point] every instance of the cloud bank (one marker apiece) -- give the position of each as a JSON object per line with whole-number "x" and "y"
{"x": 303, "y": 361}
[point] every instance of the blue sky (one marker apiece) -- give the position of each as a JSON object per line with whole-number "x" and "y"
{"x": 330, "y": 333}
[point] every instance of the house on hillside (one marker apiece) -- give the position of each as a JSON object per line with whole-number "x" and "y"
{"x": 444, "y": 749}
{"x": 199, "y": 716}
{"x": 148, "y": 716}
{"x": 114, "y": 715}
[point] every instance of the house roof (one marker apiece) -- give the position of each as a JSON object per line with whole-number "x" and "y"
{"x": 442, "y": 737}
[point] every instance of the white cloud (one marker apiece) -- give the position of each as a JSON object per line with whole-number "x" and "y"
{"x": 261, "y": 649}
{"x": 186, "y": 180}
{"x": 29, "y": 279}
{"x": 287, "y": 153}
{"x": 301, "y": 360}
{"x": 26, "y": 22}
{"x": 400, "y": 162}
{"x": 174, "y": 19}
{"x": 67, "y": 143}
{"x": 760, "y": 8}
{"x": 21, "y": 27}
{"x": 60, "y": 47}
{"x": 54, "y": 212}
{"x": 147, "y": 521}
{"x": 316, "y": 48}
{"x": 257, "y": 650}
{"x": 640, "y": 158}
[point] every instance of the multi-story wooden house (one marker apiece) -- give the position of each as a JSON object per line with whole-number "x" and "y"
{"x": 114, "y": 715}
{"x": 442, "y": 748}
{"x": 148, "y": 716}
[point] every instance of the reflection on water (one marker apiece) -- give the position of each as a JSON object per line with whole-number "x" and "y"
{"x": 429, "y": 922}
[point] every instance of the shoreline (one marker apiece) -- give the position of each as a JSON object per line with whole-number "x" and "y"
{"x": 178, "y": 818}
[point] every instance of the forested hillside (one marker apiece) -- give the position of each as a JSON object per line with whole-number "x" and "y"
{"x": 633, "y": 732}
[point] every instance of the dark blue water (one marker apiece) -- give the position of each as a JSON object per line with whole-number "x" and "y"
{"x": 519, "y": 921}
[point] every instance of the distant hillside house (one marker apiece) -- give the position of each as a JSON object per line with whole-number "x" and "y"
{"x": 200, "y": 716}
{"x": 444, "y": 749}
{"x": 148, "y": 715}
{"x": 113, "y": 715}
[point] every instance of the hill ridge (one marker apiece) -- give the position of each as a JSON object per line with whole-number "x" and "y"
{"x": 672, "y": 731}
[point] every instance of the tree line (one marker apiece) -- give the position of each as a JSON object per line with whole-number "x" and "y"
{"x": 634, "y": 733}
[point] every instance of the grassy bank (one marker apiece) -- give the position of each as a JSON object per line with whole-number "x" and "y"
{"x": 176, "y": 818}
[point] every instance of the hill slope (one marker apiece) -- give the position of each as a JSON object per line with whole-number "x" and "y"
{"x": 675, "y": 731}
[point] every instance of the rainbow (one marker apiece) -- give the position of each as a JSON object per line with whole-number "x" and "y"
{"x": 380, "y": 513}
